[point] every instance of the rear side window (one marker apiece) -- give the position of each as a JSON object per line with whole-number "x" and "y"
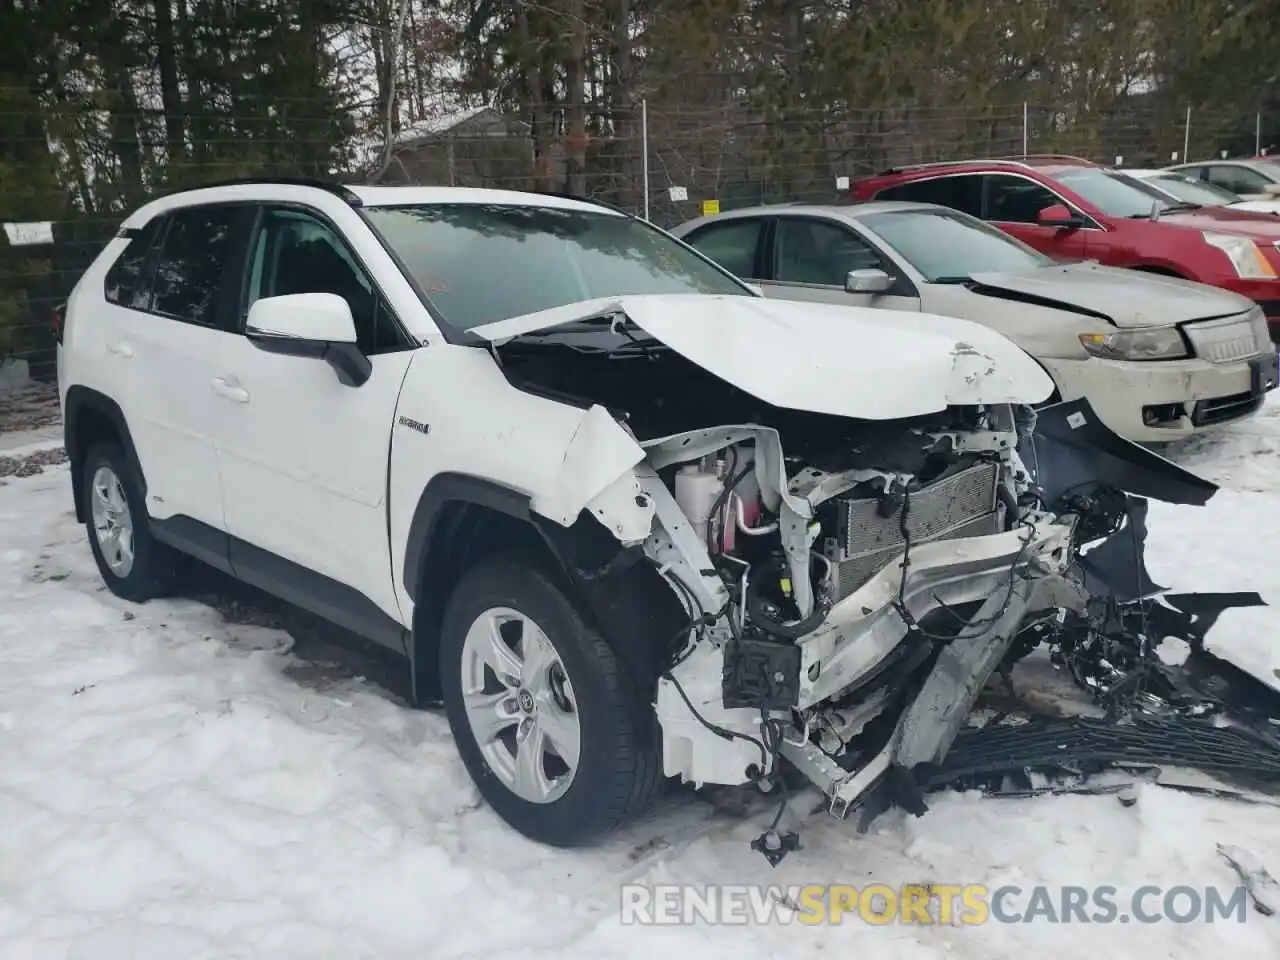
{"x": 958, "y": 193}
{"x": 125, "y": 283}
{"x": 195, "y": 256}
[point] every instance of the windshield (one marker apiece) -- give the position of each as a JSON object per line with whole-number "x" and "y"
{"x": 1192, "y": 191}
{"x": 481, "y": 263}
{"x": 1115, "y": 196}
{"x": 945, "y": 245}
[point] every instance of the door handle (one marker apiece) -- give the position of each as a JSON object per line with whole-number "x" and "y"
{"x": 229, "y": 390}
{"x": 120, "y": 348}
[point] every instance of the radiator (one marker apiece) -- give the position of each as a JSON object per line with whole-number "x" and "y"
{"x": 863, "y": 542}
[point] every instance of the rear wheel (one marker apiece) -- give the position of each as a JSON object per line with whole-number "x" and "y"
{"x": 556, "y": 740}
{"x": 132, "y": 563}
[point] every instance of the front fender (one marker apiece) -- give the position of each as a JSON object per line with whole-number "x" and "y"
{"x": 596, "y": 473}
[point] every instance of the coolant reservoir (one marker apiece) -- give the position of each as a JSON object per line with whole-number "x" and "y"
{"x": 696, "y": 493}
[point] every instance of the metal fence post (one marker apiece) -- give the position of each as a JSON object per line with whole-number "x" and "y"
{"x": 1257, "y": 134}
{"x": 644, "y": 152}
{"x": 1026, "y": 129}
{"x": 1186, "y": 139}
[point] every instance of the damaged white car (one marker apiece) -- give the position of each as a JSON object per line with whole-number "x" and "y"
{"x": 627, "y": 519}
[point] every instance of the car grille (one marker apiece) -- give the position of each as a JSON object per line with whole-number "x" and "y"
{"x": 1221, "y": 409}
{"x": 1230, "y": 339}
{"x": 961, "y": 505}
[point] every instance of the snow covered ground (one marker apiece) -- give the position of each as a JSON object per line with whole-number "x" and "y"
{"x": 174, "y": 786}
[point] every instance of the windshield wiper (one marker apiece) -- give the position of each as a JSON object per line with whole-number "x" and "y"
{"x": 961, "y": 279}
{"x": 1168, "y": 208}
{"x": 617, "y": 323}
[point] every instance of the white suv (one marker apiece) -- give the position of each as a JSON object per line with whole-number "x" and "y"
{"x": 626, "y": 518}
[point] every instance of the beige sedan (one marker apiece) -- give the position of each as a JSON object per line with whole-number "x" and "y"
{"x": 1158, "y": 358}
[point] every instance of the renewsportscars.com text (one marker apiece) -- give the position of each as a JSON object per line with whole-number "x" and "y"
{"x": 940, "y": 904}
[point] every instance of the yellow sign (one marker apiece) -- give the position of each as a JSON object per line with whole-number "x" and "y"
{"x": 709, "y": 207}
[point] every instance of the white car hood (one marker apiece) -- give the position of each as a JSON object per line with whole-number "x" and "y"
{"x": 1128, "y": 298}
{"x": 824, "y": 358}
{"x": 1257, "y": 206}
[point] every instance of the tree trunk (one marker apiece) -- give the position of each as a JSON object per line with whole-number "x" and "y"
{"x": 575, "y": 94}
{"x": 170, "y": 93}
{"x": 541, "y": 102}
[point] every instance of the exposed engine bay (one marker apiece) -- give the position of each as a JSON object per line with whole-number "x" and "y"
{"x": 850, "y": 587}
{"x": 807, "y": 587}
{"x": 846, "y": 620}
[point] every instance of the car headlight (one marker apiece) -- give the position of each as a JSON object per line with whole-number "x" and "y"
{"x": 1154, "y": 343}
{"x": 1261, "y": 331}
{"x": 1245, "y": 255}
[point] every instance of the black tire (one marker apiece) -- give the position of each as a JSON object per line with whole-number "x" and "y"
{"x": 152, "y": 572}
{"x": 619, "y": 771}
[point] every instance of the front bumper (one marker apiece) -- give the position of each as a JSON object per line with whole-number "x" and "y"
{"x": 863, "y": 628}
{"x": 926, "y": 729}
{"x": 1160, "y": 401}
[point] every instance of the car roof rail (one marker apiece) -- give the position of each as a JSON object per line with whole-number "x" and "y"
{"x": 904, "y": 167}
{"x": 329, "y": 186}
{"x": 1048, "y": 156}
{"x": 1016, "y": 159}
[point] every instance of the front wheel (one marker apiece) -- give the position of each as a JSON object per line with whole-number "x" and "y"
{"x": 556, "y": 740}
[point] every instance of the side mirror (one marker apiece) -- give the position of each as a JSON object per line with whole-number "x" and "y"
{"x": 1057, "y": 215}
{"x": 867, "y": 281}
{"x": 1272, "y": 189}
{"x": 317, "y": 325}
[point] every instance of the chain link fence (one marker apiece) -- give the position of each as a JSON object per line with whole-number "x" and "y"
{"x": 666, "y": 162}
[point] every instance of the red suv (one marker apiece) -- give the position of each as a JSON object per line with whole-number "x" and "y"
{"x": 1076, "y": 210}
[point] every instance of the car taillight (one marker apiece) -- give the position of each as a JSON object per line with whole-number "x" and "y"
{"x": 57, "y": 319}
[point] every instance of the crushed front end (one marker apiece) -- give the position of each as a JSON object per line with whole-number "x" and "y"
{"x": 851, "y": 566}
{"x": 847, "y": 607}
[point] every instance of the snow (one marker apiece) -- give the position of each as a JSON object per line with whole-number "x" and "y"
{"x": 170, "y": 788}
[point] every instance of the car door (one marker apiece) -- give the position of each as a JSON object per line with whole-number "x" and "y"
{"x": 304, "y": 458}
{"x": 1013, "y": 203}
{"x": 169, "y": 319}
{"x": 811, "y": 258}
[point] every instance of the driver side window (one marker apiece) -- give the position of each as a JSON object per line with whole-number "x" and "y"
{"x": 1236, "y": 179}
{"x": 295, "y": 252}
{"x": 812, "y": 251}
{"x": 1016, "y": 199}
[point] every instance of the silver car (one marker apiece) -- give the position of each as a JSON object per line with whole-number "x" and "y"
{"x": 1187, "y": 188}
{"x": 1255, "y": 179}
{"x": 1157, "y": 357}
